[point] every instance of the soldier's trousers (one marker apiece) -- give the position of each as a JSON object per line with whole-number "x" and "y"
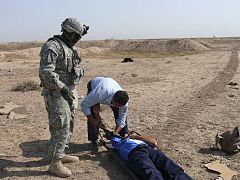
{"x": 61, "y": 122}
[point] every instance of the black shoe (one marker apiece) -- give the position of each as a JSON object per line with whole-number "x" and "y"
{"x": 94, "y": 146}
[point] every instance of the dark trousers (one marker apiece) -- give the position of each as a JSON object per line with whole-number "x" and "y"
{"x": 93, "y": 130}
{"x": 150, "y": 164}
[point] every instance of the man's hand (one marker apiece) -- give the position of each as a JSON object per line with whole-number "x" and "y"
{"x": 108, "y": 134}
{"x": 147, "y": 139}
{"x": 132, "y": 134}
{"x": 67, "y": 95}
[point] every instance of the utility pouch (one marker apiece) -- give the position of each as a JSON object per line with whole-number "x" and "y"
{"x": 77, "y": 75}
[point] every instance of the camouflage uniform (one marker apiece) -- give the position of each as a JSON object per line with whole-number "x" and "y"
{"x": 59, "y": 66}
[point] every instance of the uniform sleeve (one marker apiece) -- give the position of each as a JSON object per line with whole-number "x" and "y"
{"x": 49, "y": 55}
{"x": 122, "y": 116}
{"x": 94, "y": 97}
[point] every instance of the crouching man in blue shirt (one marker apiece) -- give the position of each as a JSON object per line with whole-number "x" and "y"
{"x": 146, "y": 161}
{"x": 105, "y": 90}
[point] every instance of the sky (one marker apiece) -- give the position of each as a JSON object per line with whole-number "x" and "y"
{"x": 37, "y": 20}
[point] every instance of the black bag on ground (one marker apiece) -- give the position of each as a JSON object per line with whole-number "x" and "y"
{"x": 229, "y": 141}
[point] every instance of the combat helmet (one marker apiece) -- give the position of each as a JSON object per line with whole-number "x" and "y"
{"x": 72, "y": 25}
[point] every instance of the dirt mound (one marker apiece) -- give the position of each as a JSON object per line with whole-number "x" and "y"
{"x": 107, "y": 43}
{"x": 140, "y": 45}
{"x": 91, "y": 50}
{"x": 20, "y": 54}
{"x": 19, "y": 45}
{"x": 206, "y": 43}
{"x": 146, "y": 45}
{"x": 184, "y": 45}
{"x": 29, "y": 53}
{"x": 160, "y": 45}
{"x": 34, "y": 53}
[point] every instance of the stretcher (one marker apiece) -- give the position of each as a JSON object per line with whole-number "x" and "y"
{"x": 117, "y": 157}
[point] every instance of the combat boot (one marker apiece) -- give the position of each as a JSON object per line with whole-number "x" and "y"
{"x": 95, "y": 146}
{"x": 69, "y": 159}
{"x": 57, "y": 168}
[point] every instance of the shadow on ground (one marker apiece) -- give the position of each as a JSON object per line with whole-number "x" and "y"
{"x": 6, "y": 165}
{"x": 210, "y": 151}
{"x": 32, "y": 149}
{"x": 103, "y": 158}
{"x": 38, "y": 150}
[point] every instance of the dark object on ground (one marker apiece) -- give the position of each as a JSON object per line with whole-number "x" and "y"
{"x": 127, "y": 60}
{"x": 229, "y": 141}
{"x": 26, "y": 86}
{"x": 232, "y": 83}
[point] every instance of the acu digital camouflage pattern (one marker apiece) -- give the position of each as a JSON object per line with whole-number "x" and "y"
{"x": 73, "y": 25}
{"x": 59, "y": 66}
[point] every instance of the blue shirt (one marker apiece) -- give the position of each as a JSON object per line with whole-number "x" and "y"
{"x": 125, "y": 146}
{"x": 103, "y": 90}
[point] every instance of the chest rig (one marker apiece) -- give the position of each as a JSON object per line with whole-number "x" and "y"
{"x": 68, "y": 64}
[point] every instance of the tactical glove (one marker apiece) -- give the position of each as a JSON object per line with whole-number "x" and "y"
{"x": 67, "y": 95}
{"x": 108, "y": 134}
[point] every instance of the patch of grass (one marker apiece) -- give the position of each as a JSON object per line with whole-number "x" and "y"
{"x": 25, "y": 86}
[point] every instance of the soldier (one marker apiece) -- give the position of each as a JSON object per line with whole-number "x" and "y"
{"x": 60, "y": 73}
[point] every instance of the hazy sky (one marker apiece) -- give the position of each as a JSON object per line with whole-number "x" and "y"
{"x": 28, "y": 20}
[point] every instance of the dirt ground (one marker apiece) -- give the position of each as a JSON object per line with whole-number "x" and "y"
{"x": 182, "y": 101}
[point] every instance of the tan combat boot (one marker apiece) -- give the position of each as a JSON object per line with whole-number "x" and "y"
{"x": 57, "y": 168}
{"x": 69, "y": 159}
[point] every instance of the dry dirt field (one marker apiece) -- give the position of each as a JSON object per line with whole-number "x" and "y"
{"x": 181, "y": 98}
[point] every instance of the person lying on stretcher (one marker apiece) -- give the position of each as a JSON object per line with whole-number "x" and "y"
{"x": 145, "y": 160}
{"x": 143, "y": 157}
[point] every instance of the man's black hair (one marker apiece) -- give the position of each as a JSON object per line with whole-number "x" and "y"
{"x": 121, "y": 97}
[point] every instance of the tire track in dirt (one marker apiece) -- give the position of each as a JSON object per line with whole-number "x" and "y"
{"x": 182, "y": 118}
